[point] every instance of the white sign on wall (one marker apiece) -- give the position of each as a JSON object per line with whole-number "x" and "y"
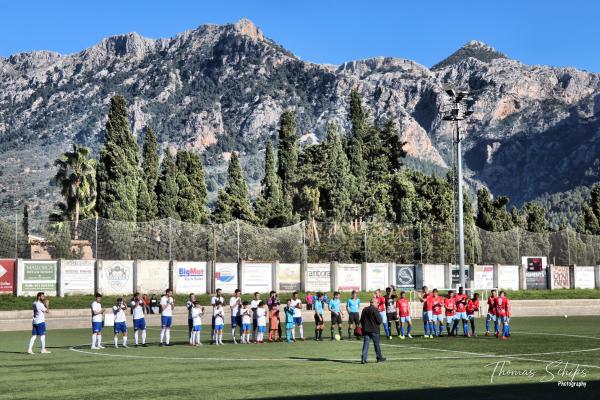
{"x": 257, "y": 277}
{"x": 190, "y": 277}
{"x": 483, "y": 276}
{"x": 584, "y": 278}
{"x": 77, "y": 277}
{"x": 348, "y": 277}
{"x": 508, "y": 277}
{"x": 152, "y": 276}
{"x": 377, "y": 276}
{"x": 36, "y": 276}
{"x": 115, "y": 277}
{"x": 289, "y": 277}
{"x": 433, "y": 275}
{"x": 318, "y": 278}
{"x": 226, "y": 277}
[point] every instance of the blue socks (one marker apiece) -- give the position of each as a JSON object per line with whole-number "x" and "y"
{"x": 496, "y": 326}
{"x": 465, "y": 328}
{"x": 426, "y": 327}
{"x": 487, "y": 325}
{"x": 386, "y": 328}
{"x": 441, "y": 329}
{"x": 401, "y": 330}
{"x": 408, "y": 329}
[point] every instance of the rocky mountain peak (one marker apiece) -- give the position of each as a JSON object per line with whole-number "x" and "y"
{"x": 121, "y": 45}
{"x": 246, "y": 27}
{"x": 472, "y": 49}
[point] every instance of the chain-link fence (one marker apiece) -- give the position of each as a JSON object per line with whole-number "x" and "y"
{"x": 311, "y": 241}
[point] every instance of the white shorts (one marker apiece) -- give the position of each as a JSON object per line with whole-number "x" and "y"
{"x": 438, "y": 317}
{"x": 450, "y": 318}
{"x": 491, "y": 317}
{"x": 461, "y": 315}
{"x": 427, "y": 315}
{"x": 383, "y": 317}
{"x": 405, "y": 319}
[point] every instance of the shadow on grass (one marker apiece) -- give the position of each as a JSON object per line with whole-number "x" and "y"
{"x": 532, "y": 391}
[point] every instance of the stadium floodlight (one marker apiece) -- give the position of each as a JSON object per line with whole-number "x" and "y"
{"x": 458, "y": 112}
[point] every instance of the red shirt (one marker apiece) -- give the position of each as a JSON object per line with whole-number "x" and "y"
{"x": 427, "y": 302}
{"x": 403, "y": 307}
{"x": 381, "y": 306}
{"x": 501, "y": 304}
{"x": 438, "y": 303}
{"x": 450, "y": 305}
{"x": 472, "y": 306}
{"x": 491, "y": 305}
{"x": 461, "y": 302}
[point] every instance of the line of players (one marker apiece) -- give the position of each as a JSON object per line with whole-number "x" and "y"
{"x": 251, "y": 317}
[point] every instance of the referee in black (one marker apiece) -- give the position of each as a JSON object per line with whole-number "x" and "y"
{"x": 370, "y": 319}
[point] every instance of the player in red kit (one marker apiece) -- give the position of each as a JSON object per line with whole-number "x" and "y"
{"x": 503, "y": 314}
{"x": 427, "y": 299}
{"x": 491, "y": 314}
{"x": 461, "y": 312}
{"x": 450, "y": 306}
{"x": 472, "y": 308}
{"x": 403, "y": 310}
{"x": 438, "y": 316}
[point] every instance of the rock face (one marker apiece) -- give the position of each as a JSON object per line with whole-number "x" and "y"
{"x": 215, "y": 89}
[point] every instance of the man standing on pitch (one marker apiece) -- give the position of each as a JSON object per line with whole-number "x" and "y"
{"x": 370, "y": 319}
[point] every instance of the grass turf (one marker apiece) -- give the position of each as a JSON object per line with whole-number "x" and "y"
{"x": 418, "y": 368}
{"x": 11, "y": 302}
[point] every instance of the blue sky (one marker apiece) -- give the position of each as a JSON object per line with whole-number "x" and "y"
{"x": 559, "y": 33}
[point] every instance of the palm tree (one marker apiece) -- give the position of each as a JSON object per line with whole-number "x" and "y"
{"x": 76, "y": 177}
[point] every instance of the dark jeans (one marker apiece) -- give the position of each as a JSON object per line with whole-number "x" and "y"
{"x": 366, "y": 340}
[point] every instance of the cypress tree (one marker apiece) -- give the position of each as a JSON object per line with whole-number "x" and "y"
{"x": 287, "y": 156}
{"x": 25, "y": 223}
{"x": 269, "y": 205}
{"x": 234, "y": 202}
{"x": 118, "y": 172}
{"x": 337, "y": 179}
{"x": 150, "y": 171}
{"x": 146, "y": 210}
{"x": 188, "y": 207}
{"x": 167, "y": 189}
{"x": 355, "y": 150}
{"x": 190, "y": 165}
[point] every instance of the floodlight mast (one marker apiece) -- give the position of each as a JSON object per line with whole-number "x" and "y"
{"x": 459, "y": 112}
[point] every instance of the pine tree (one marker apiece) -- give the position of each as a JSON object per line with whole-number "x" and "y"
{"x": 337, "y": 179}
{"x": 234, "y": 202}
{"x": 167, "y": 189}
{"x": 146, "y": 210}
{"x": 269, "y": 206}
{"x": 589, "y": 219}
{"x": 118, "y": 167}
{"x": 287, "y": 156}
{"x": 190, "y": 166}
{"x": 150, "y": 170}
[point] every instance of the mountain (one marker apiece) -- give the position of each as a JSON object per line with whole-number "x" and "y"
{"x": 535, "y": 129}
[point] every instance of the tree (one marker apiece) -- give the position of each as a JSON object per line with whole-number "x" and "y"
{"x": 234, "y": 202}
{"x": 146, "y": 209}
{"x": 269, "y": 205}
{"x": 190, "y": 166}
{"x": 589, "y": 219}
{"x": 188, "y": 206}
{"x": 76, "y": 178}
{"x": 167, "y": 189}
{"x": 336, "y": 180}
{"x": 25, "y": 223}
{"x": 150, "y": 171}
{"x": 118, "y": 166}
{"x": 355, "y": 150}
{"x": 287, "y": 156}
{"x": 492, "y": 214}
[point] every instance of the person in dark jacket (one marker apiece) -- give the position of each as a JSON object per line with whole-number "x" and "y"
{"x": 370, "y": 319}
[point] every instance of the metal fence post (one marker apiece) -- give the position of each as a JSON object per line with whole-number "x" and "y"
{"x": 237, "y": 222}
{"x": 16, "y": 236}
{"x": 569, "y": 246}
{"x": 420, "y": 243}
{"x": 518, "y": 246}
{"x": 170, "y": 242}
{"x": 96, "y": 239}
{"x": 365, "y": 240}
{"x": 304, "y": 250}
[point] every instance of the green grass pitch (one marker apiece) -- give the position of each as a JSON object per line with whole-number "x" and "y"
{"x": 456, "y": 367}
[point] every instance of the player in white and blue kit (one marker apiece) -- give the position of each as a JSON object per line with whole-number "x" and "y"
{"x": 297, "y": 306}
{"x": 246, "y": 315}
{"x": 139, "y": 320}
{"x": 167, "y": 303}
{"x": 120, "y": 322}
{"x": 40, "y": 308}
{"x": 197, "y": 312}
{"x": 235, "y": 304}
{"x": 97, "y": 314}
{"x": 213, "y": 301}
{"x": 189, "y": 305}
